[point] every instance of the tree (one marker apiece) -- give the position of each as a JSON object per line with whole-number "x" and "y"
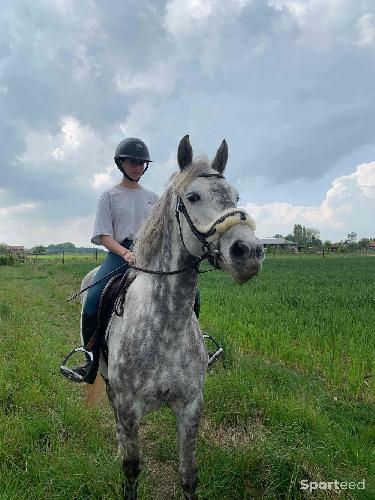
{"x": 306, "y": 235}
{"x": 297, "y": 234}
{"x": 277, "y": 236}
{"x": 363, "y": 243}
{"x": 351, "y": 238}
{"x": 39, "y": 250}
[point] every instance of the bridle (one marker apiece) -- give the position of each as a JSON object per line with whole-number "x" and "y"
{"x": 213, "y": 231}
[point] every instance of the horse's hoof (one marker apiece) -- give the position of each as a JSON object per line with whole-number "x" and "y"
{"x": 130, "y": 494}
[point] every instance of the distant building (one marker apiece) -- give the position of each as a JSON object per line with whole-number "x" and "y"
{"x": 371, "y": 245}
{"x": 279, "y": 243}
{"x": 16, "y": 250}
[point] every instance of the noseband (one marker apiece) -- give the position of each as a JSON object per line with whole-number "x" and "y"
{"x": 209, "y": 234}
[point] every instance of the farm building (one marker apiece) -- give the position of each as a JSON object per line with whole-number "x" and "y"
{"x": 16, "y": 250}
{"x": 279, "y": 243}
{"x": 371, "y": 245}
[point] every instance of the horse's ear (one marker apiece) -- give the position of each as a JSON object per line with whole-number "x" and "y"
{"x": 185, "y": 152}
{"x": 221, "y": 158}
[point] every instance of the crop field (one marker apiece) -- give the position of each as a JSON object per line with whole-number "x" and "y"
{"x": 295, "y": 399}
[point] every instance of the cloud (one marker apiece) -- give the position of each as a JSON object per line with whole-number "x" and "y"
{"x": 16, "y": 209}
{"x": 289, "y": 83}
{"x": 104, "y": 180}
{"x": 349, "y": 205}
{"x": 366, "y": 30}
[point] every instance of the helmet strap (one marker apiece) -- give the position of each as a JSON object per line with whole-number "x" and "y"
{"x": 128, "y": 176}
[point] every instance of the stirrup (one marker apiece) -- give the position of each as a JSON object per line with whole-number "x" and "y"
{"x": 212, "y": 357}
{"x": 68, "y": 372}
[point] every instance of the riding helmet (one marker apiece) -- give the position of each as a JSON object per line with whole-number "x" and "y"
{"x": 132, "y": 148}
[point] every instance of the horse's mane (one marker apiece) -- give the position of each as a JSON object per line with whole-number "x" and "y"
{"x": 150, "y": 235}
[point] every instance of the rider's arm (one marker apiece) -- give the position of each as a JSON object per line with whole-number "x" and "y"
{"x": 113, "y": 246}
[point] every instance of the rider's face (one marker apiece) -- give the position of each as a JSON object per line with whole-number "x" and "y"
{"x": 133, "y": 168}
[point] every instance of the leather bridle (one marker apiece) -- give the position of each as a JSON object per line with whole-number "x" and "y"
{"x": 214, "y": 230}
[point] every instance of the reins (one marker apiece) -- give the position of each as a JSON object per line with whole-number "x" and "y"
{"x": 148, "y": 271}
{"x": 211, "y": 255}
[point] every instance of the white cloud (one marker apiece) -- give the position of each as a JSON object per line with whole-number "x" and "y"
{"x": 322, "y": 23}
{"x": 105, "y": 180}
{"x": 349, "y": 205}
{"x": 366, "y": 30}
{"x": 16, "y": 209}
{"x": 63, "y": 145}
{"x": 182, "y": 17}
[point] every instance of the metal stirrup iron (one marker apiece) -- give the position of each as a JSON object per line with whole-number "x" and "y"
{"x": 68, "y": 372}
{"x": 219, "y": 350}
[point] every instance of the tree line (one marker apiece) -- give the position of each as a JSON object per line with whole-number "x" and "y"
{"x": 310, "y": 237}
{"x": 55, "y": 248}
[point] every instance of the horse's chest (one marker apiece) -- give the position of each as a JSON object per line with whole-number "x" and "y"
{"x": 155, "y": 373}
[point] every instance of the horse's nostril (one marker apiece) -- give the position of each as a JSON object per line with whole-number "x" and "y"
{"x": 239, "y": 249}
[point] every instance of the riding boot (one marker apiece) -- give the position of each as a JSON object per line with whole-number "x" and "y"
{"x": 89, "y": 370}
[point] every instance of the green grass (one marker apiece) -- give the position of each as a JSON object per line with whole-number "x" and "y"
{"x": 296, "y": 400}
{"x": 68, "y": 257}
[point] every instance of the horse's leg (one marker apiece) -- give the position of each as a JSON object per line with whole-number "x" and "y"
{"x": 127, "y": 424}
{"x": 188, "y": 418}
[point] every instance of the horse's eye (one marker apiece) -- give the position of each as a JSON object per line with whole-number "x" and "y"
{"x": 192, "y": 197}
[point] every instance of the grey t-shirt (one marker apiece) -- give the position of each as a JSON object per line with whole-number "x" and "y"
{"x": 121, "y": 212}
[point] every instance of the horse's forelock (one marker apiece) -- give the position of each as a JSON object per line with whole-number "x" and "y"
{"x": 151, "y": 233}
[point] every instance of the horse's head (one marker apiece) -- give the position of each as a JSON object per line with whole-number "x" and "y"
{"x": 208, "y": 217}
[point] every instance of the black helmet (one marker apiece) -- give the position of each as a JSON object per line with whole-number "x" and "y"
{"x": 132, "y": 148}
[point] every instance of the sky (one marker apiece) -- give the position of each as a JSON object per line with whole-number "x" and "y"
{"x": 288, "y": 83}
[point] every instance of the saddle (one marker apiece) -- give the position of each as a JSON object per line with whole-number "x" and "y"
{"x": 112, "y": 302}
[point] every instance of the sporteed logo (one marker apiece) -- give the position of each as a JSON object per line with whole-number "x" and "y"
{"x": 331, "y": 485}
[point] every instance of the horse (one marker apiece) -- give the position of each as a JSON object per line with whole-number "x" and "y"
{"x": 156, "y": 353}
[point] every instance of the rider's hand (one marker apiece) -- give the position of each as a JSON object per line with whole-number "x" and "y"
{"x": 129, "y": 257}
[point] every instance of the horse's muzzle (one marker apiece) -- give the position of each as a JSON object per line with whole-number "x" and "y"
{"x": 241, "y": 253}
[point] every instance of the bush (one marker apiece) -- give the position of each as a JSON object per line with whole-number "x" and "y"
{"x": 6, "y": 260}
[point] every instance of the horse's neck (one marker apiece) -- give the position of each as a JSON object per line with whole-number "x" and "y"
{"x": 173, "y": 256}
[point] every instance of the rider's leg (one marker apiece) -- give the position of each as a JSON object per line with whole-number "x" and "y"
{"x": 89, "y": 315}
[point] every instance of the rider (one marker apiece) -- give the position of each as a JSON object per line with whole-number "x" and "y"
{"x": 120, "y": 214}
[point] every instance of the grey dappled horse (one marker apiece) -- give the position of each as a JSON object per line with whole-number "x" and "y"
{"x": 156, "y": 350}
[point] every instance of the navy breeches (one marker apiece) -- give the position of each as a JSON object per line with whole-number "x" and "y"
{"x": 111, "y": 262}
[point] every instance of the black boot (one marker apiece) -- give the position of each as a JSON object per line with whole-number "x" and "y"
{"x": 87, "y": 371}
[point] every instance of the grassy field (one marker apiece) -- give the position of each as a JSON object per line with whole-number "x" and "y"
{"x": 295, "y": 401}
{"x": 67, "y": 257}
